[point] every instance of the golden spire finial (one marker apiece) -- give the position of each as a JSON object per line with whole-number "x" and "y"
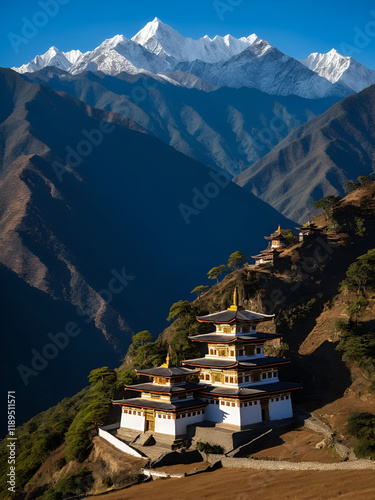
{"x": 235, "y": 306}
{"x": 167, "y": 361}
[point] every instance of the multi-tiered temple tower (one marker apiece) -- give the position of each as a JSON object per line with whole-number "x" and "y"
{"x": 276, "y": 243}
{"x": 239, "y": 382}
{"x": 167, "y": 405}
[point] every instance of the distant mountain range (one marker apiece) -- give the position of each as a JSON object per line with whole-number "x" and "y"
{"x": 318, "y": 158}
{"x": 227, "y": 129}
{"x": 222, "y": 61}
{"x": 112, "y": 240}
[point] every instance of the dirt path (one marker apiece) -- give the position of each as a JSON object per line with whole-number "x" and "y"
{"x": 235, "y": 484}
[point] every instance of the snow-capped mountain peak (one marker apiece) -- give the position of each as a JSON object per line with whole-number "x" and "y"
{"x": 250, "y": 39}
{"x": 53, "y": 57}
{"x": 213, "y": 62}
{"x": 73, "y": 55}
{"x": 338, "y": 68}
{"x": 164, "y": 41}
{"x": 112, "y": 42}
{"x": 154, "y": 31}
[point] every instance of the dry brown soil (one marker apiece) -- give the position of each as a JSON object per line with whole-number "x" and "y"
{"x": 248, "y": 484}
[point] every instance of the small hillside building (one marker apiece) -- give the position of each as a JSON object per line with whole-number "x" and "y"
{"x": 276, "y": 239}
{"x": 276, "y": 244}
{"x": 309, "y": 230}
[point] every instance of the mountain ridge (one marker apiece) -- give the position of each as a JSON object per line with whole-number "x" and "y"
{"x": 246, "y": 61}
{"x": 338, "y": 68}
{"x": 227, "y": 129}
{"x": 318, "y": 158}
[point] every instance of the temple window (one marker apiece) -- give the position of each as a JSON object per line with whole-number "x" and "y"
{"x": 256, "y": 377}
{"x": 247, "y": 378}
{"x": 207, "y": 376}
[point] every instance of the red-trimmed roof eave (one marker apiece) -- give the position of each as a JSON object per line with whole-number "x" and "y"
{"x": 193, "y": 372}
{"x": 240, "y": 341}
{"x": 131, "y": 388}
{"x": 211, "y": 366}
{"x": 265, "y": 365}
{"x": 156, "y": 409}
{"x": 251, "y": 396}
{"x": 260, "y": 320}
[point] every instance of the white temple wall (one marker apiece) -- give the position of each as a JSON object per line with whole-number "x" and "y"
{"x": 177, "y": 426}
{"x": 213, "y": 413}
{"x": 165, "y": 425}
{"x": 280, "y": 409}
{"x": 223, "y": 413}
{"x": 182, "y": 423}
{"x": 251, "y": 414}
{"x": 136, "y": 422}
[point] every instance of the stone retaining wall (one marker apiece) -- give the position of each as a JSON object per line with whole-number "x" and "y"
{"x": 120, "y": 445}
{"x": 248, "y": 463}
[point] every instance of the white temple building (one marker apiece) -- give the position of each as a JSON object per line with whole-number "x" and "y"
{"x": 238, "y": 384}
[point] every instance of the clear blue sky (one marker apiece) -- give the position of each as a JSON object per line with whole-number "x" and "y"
{"x": 297, "y": 27}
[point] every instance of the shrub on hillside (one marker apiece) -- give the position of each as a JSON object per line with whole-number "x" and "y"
{"x": 362, "y": 426}
{"x": 207, "y": 448}
{"x": 360, "y": 275}
{"x": 70, "y": 486}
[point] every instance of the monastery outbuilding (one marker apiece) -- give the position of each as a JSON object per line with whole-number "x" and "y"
{"x": 276, "y": 244}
